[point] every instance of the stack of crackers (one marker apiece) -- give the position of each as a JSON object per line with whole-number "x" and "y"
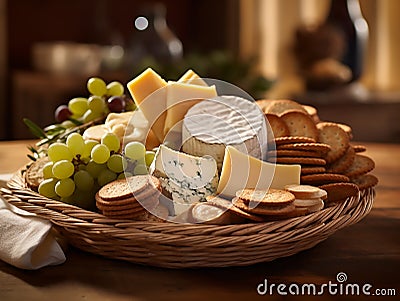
{"x": 135, "y": 197}
{"x": 323, "y": 149}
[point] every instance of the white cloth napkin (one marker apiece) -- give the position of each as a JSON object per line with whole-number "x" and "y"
{"x": 26, "y": 240}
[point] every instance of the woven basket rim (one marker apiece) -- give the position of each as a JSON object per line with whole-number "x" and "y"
{"x": 93, "y": 232}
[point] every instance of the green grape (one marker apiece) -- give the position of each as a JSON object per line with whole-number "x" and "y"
{"x": 90, "y": 115}
{"x": 135, "y": 150}
{"x": 100, "y": 153}
{"x": 117, "y": 163}
{"x": 97, "y": 104}
{"x": 81, "y": 166}
{"x": 85, "y": 199}
{"x": 96, "y": 86}
{"x": 83, "y": 180}
{"x": 106, "y": 176}
{"x": 111, "y": 141}
{"x": 47, "y": 188}
{"x": 59, "y": 151}
{"x": 124, "y": 175}
{"x": 78, "y": 106}
{"x": 65, "y": 187}
{"x": 140, "y": 169}
{"x": 95, "y": 169}
{"x": 76, "y": 144}
{"x": 47, "y": 170}
{"x": 67, "y": 124}
{"x": 63, "y": 169}
{"x": 115, "y": 89}
{"x": 89, "y": 144}
{"x": 149, "y": 157}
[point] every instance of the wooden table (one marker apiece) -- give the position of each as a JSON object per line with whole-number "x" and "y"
{"x": 368, "y": 252}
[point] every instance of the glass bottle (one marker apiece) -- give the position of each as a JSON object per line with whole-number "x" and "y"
{"x": 153, "y": 40}
{"x": 346, "y": 17}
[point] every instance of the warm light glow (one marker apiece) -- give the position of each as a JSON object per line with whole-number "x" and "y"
{"x": 141, "y": 23}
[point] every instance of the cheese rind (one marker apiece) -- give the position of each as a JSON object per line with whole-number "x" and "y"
{"x": 224, "y": 120}
{"x": 240, "y": 171}
{"x": 180, "y": 98}
{"x": 149, "y": 92}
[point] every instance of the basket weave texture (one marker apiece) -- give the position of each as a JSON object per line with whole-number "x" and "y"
{"x": 185, "y": 245}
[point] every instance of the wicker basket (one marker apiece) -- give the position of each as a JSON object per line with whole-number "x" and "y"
{"x": 181, "y": 246}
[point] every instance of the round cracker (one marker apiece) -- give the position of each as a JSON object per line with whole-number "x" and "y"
{"x": 300, "y": 124}
{"x": 278, "y": 127}
{"x": 318, "y": 147}
{"x": 271, "y": 197}
{"x": 323, "y": 178}
{"x": 359, "y": 148}
{"x": 365, "y": 181}
{"x": 309, "y": 170}
{"x": 295, "y": 153}
{"x": 34, "y": 174}
{"x": 361, "y": 165}
{"x": 347, "y": 129}
{"x": 124, "y": 188}
{"x": 293, "y": 139}
{"x": 338, "y": 192}
{"x": 344, "y": 162}
{"x": 306, "y": 191}
{"x": 280, "y": 106}
{"x": 312, "y": 111}
{"x": 333, "y": 135}
{"x": 305, "y": 203}
{"x": 264, "y": 210}
{"x": 227, "y": 205}
{"x": 301, "y": 160}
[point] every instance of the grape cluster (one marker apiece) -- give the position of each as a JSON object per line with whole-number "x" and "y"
{"x": 103, "y": 99}
{"x": 78, "y": 168}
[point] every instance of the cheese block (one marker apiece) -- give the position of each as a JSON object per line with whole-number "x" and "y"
{"x": 224, "y": 120}
{"x": 149, "y": 93}
{"x": 191, "y": 77}
{"x": 180, "y": 98}
{"x": 241, "y": 171}
{"x": 185, "y": 179}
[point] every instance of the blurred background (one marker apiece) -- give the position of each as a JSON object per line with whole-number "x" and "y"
{"x": 340, "y": 56}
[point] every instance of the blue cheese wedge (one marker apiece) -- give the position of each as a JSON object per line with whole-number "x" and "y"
{"x": 185, "y": 179}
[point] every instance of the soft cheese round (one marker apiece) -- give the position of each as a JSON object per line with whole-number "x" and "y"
{"x": 214, "y": 123}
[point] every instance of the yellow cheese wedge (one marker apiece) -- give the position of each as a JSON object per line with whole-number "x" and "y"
{"x": 191, "y": 77}
{"x": 180, "y": 98}
{"x": 241, "y": 171}
{"x": 149, "y": 86}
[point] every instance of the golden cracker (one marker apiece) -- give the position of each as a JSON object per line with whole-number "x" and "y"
{"x": 278, "y": 127}
{"x": 361, "y": 165}
{"x": 365, "y": 181}
{"x": 227, "y": 205}
{"x": 306, "y": 191}
{"x": 359, "y": 148}
{"x": 318, "y": 147}
{"x": 264, "y": 210}
{"x": 332, "y": 134}
{"x": 344, "y": 162}
{"x": 301, "y": 160}
{"x": 271, "y": 197}
{"x": 338, "y": 192}
{"x": 323, "y": 178}
{"x": 309, "y": 170}
{"x": 300, "y": 124}
{"x": 280, "y": 106}
{"x": 293, "y": 139}
{"x": 294, "y": 153}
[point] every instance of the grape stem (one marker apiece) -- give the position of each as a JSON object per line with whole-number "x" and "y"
{"x": 60, "y": 135}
